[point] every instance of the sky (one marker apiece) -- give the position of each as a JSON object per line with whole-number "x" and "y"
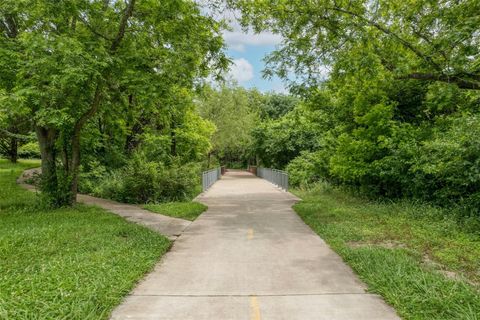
{"x": 247, "y": 50}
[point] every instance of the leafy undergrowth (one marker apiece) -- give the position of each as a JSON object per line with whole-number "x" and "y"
{"x": 183, "y": 210}
{"x": 413, "y": 255}
{"x": 69, "y": 263}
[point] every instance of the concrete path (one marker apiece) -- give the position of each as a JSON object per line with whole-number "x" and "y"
{"x": 251, "y": 257}
{"x": 167, "y": 226}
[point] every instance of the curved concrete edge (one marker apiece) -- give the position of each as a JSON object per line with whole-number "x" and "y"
{"x": 170, "y": 227}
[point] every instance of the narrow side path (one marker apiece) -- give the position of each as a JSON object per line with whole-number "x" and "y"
{"x": 167, "y": 226}
{"x": 249, "y": 256}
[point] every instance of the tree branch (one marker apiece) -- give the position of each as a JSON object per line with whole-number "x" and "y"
{"x": 97, "y": 97}
{"x": 95, "y": 32}
{"x": 18, "y": 136}
{"x": 462, "y": 83}
{"x": 387, "y": 31}
{"x": 9, "y": 25}
{"x": 123, "y": 25}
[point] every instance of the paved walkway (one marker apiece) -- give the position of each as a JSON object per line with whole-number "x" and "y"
{"x": 168, "y": 226}
{"x": 249, "y": 256}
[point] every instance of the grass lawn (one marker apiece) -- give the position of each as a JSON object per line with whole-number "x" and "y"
{"x": 414, "y": 256}
{"x": 184, "y": 210}
{"x": 70, "y": 263}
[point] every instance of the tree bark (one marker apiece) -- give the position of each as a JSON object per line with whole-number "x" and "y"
{"x": 74, "y": 167}
{"x": 75, "y": 147}
{"x": 46, "y": 139}
{"x": 13, "y": 153}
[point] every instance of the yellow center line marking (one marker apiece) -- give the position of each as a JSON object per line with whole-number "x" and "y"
{"x": 250, "y": 234}
{"x": 255, "y": 314}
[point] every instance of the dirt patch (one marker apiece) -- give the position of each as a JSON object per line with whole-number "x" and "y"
{"x": 428, "y": 262}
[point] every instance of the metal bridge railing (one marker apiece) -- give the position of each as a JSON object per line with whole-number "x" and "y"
{"x": 277, "y": 177}
{"x": 210, "y": 177}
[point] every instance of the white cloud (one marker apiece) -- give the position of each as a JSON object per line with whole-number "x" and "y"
{"x": 241, "y": 70}
{"x": 237, "y": 40}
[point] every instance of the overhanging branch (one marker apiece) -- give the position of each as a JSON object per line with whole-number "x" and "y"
{"x": 460, "y": 82}
{"x": 387, "y": 31}
{"x": 123, "y": 25}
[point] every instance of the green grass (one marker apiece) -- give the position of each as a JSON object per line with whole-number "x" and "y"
{"x": 69, "y": 263}
{"x": 183, "y": 210}
{"x": 413, "y": 255}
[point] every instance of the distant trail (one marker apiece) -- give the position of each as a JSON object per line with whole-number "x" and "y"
{"x": 249, "y": 256}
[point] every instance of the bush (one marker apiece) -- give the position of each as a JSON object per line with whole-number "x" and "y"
{"x": 143, "y": 181}
{"x": 92, "y": 176}
{"x": 446, "y": 169}
{"x": 30, "y": 150}
{"x": 307, "y": 168}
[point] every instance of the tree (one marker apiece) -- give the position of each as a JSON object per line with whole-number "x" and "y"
{"x": 75, "y": 58}
{"x": 13, "y": 133}
{"x": 434, "y": 41}
{"x": 276, "y": 105}
{"x": 235, "y": 113}
{"x": 14, "y": 122}
{"x": 278, "y": 141}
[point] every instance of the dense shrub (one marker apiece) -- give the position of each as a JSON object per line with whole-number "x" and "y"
{"x": 308, "y": 168}
{"x": 30, "y": 150}
{"x": 142, "y": 181}
{"x": 92, "y": 176}
{"x": 447, "y": 167}
{"x": 279, "y": 141}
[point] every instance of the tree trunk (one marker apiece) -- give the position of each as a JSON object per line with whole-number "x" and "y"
{"x": 46, "y": 139}
{"x": 74, "y": 166}
{"x": 13, "y": 153}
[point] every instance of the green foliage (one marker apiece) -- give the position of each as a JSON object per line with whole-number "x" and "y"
{"x": 279, "y": 141}
{"x": 419, "y": 39}
{"x": 447, "y": 167}
{"x": 193, "y": 137}
{"x": 416, "y": 256}
{"x": 183, "y": 210}
{"x": 45, "y": 253}
{"x": 142, "y": 181}
{"x": 29, "y": 150}
{"x": 133, "y": 64}
{"x": 391, "y": 96}
{"x": 235, "y": 113}
{"x": 92, "y": 176}
{"x": 276, "y": 105}
{"x": 306, "y": 169}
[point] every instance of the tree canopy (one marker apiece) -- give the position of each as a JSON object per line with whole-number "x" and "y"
{"x": 420, "y": 39}
{"x": 69, "y": 60}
